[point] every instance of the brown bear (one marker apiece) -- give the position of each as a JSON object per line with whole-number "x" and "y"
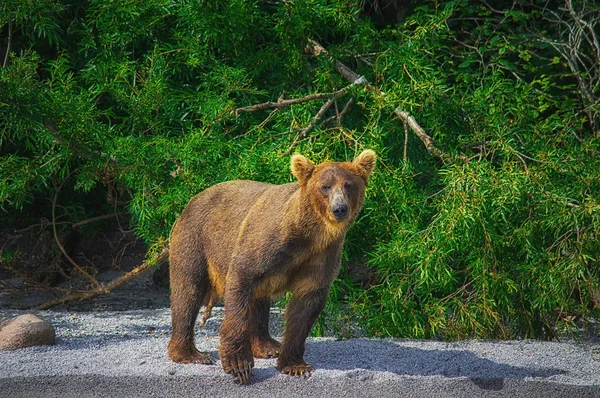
{"x": 247, "y": 242}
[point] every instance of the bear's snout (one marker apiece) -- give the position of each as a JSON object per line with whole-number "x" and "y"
{"x": 340, "y": 211}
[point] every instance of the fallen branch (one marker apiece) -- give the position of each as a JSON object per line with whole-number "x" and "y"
{"x": 104, "y": 288}
{"x": 283, "y": 103}
{"x": 316, "y": 49}
{"x": 330, "y": 97}
{"x": 423, "y": 136}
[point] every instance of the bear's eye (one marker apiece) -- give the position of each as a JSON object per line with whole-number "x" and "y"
{"x": 349, "y": 186}
{"x": 325, "y": 188}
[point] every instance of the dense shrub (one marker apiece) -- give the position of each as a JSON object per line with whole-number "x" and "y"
{"x": 499, "y": 238}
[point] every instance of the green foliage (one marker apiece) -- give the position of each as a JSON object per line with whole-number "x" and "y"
{"x": 136, "y": 100}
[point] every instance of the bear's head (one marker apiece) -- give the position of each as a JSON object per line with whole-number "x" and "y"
{"x": 336, "y": 189}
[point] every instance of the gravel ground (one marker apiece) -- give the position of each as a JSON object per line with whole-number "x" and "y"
{"x": 118, "y": 352}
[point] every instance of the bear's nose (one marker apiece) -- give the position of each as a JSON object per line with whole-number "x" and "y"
{"x": 340, "y": 211}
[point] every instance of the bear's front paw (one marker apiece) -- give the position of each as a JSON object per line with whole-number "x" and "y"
{"x": 302, "y": 369}
{"x": 238, "y": 363}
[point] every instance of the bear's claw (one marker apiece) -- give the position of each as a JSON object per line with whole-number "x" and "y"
{"x": 266, "y": 348}
{"x": 239, "y": 367}
{"x": 298, "y": 370}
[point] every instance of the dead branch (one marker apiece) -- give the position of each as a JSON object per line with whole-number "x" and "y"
{"x": 423, "y": 136}
{"x": 104, "y": 288}
{"x": 360, "y": 81}
{"x": 578, "y": 46}
{"x": 316, "y": 49}
{"x": 283, "y": 103}
{"x": 338, "y": 118}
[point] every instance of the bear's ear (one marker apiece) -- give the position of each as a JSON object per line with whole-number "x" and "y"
{"x": 302, "y": 168}
{"x": 365, "y": 163}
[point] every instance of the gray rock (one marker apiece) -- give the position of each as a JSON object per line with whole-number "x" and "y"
{"x": 24, "y": 331}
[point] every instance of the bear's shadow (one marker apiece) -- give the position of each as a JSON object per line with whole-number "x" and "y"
{"x": 358, "y": 357}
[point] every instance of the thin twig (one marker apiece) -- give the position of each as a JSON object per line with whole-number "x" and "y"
{"x": 405, "y": 155}
{"x": 9, "y": 42}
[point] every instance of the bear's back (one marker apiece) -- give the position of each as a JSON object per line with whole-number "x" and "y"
{"x": 214, "y": 217}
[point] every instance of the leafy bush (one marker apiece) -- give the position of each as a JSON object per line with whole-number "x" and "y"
{"x": 500, "y": 238}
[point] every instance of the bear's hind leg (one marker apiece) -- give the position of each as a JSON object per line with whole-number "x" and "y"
{"x": 263, "y": 345}
{"x": 190, "y": 289}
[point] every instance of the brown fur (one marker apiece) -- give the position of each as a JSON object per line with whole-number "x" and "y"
{"x": 247, "y": 242}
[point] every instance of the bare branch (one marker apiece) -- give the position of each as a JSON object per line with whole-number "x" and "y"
{"x": 340, "y": 115}
{"x": 283, "y": 103}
